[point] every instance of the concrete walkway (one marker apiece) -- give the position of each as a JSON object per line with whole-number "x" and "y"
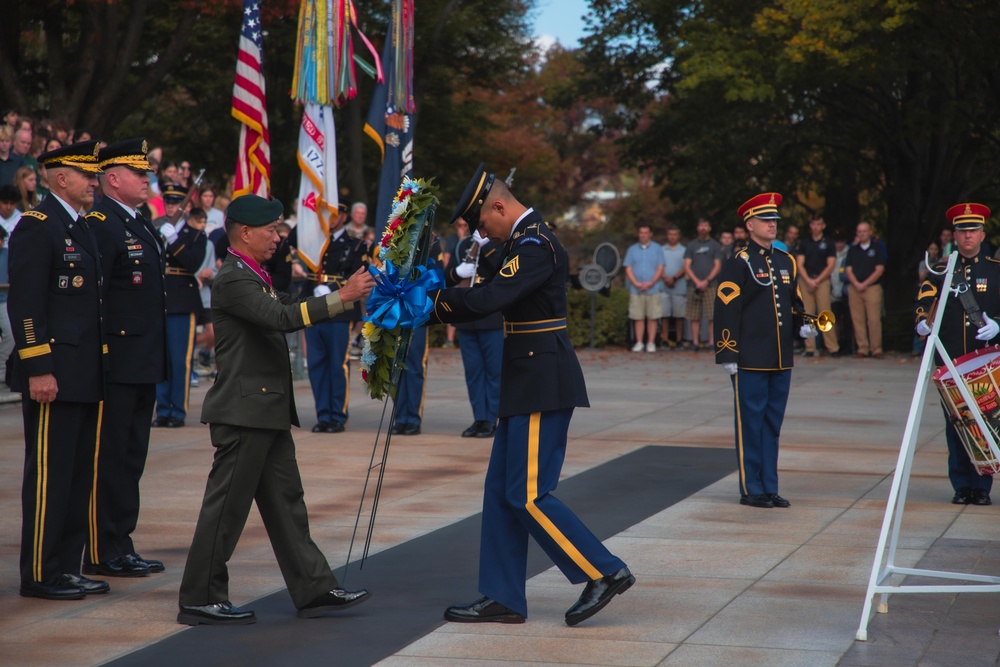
{"x": 718, "y": 583}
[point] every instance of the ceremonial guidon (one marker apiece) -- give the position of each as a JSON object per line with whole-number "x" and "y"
{"x": 328, "y": 343}
{"x": 541, "y": 384}
{"x": 132, "y": 267}
{"x": 755, "y": 306}
{"x": 185, "y": 252}
{"x": 55, "y": 308}
{"x": 966, "y": 326}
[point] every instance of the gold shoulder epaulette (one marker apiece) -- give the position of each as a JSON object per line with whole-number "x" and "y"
{"x": 35, "y": 214}
{"x": 992, "y": 259}
{"x": 97, "y": 215}
{"x": 743, "y": 254}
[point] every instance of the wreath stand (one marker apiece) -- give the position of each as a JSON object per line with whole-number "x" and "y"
{"x": 880, "y": 581}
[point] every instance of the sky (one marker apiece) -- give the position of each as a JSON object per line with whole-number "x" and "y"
{"x": 560, "y": 20}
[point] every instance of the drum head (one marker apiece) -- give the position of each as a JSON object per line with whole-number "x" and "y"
{"x": 968, "y": 362}
{"x": 607, "y": 257}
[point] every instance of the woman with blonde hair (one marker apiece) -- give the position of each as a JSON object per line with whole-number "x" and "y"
{"x": 26, "y": 182}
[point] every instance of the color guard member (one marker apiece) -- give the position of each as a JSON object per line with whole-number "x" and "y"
{"x": 541, "y": 384}
{"x": 959, "y": 335}
{"x": 55, "y": 307}
{"x": 758, "y": 299}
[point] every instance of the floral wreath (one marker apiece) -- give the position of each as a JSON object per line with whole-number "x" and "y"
{"x": 397, "y": 302}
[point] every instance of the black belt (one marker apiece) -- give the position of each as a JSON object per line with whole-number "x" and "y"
{"x": 538, "y": 326}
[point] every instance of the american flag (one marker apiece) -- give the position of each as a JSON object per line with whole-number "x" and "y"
{"x": 253, "y": 166}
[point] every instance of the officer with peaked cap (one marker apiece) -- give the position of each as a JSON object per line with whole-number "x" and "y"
{"x": 541, "y": 384}
{"x": 250, "y": 410}
{"x": 132, "y": 266}
{"x": 757, "y": 301}
{"x": 961, "y": 333}
{"x": 55, "y": 301}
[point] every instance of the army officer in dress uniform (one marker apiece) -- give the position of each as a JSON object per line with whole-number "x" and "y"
{"x": 327, "y": 343}
{"x": 757, "y": 300}
{"x": 250, "y": 410}
{"x": 132, "y": 265}
{"x": 541, "y": 384}
{"x": 55, "y": 305}
{"x": 185, "y": 252}
{"x": 959, "y": 335}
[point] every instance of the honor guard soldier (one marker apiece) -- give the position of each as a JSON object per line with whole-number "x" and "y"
{"x": 755, "y": 306}
{"x": 185, "y": 252}
{"x": 132, "y": 266}
{"x": 966, "y": 326}
{"x": 541, "y": 384}
{"x": 327, "y": 342}
{"x": 55, "y": 305}
{"x": 481, "y": 342}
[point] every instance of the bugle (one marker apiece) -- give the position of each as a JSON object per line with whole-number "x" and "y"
{"x": 824, "y": 321}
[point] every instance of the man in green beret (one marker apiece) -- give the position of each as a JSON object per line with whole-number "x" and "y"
{"x": 250, "y": 410}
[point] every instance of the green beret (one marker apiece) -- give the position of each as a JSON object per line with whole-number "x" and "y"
{"x": 254, "y": 211}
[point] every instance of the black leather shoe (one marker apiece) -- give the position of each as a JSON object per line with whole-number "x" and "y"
{"x": 153, "y": 565}
{"x": 411, "y": 429}
{"x": 597, "y": 594}
{"x": 160, "y": 422}
{"x": 120, "y": 566}
{"x": 778, "y": 501}
{"x": 334, "y": 427}
{"x": 487, "y": 430}
{"x": 980, "y": 497}
{"x": 483, "y": 610}
{"x": 473, "y": 430}
{"x": 89, "y": 586}
{"x": 320, "y": 427}
{"x": 397, "y": 429}
{"x": 334, "y": 600}
{"x": 756, "y": 500}
{"x": 962, "y": 497}
{"x": 173, "y": 422}
{"x": 220, "y": 613}
{"x": 55, "y": 590}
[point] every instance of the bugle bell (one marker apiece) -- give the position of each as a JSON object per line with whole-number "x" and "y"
{"x": 824, "y": 321}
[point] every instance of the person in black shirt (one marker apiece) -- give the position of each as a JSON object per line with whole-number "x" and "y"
{"x": 817, "y": 257}
{"x": 864, "y": 266}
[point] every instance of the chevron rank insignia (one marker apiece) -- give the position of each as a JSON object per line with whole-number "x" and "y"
{"x": 510, "y": 268}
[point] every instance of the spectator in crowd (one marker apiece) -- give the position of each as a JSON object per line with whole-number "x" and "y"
{"x": 792, "y": 240}
{"x": 817, "y": 259}
{"x": 838, "y": 296}
{"x": 26, "y": 182}
{"x": 205, "y": 331}
{"x": 10, "y": 118}
{"x": 946, "y": 242}
{"x": 674, "y": 295}
{"x": 9, "y": 212}
{"x": 702, "y": 263}
{"x": 357, "y": 227}
{"x": 864, "y": 267}
{"x": 9, "y": 161}
{"x": 206, "y": 200}
{"x": 739, "y": 239}
{"x": 6, "y": 335}
{"x": 726, "y": 241}
{"x": 22, "y": 147}
{"x": 82, "y": 135}
{"x": 184, "y": 176}
{"x": 169, "y": 173}
{"x": 643, "y": 270}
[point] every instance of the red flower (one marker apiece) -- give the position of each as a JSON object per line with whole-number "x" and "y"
{"x": 364, "y": 375}
{"x": 404, "y": 194}
{"x": 395, "y": 224}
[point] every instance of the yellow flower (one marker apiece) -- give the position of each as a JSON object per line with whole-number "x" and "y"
{"x": 368, "y": 329}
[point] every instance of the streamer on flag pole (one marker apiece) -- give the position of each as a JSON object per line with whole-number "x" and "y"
{"x": 317, "y": 157}
{"x": 253, "y": 164}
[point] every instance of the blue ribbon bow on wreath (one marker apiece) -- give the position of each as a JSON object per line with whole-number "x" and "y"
{"x": 399, "y": 300}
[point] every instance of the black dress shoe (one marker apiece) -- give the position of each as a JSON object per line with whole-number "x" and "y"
{"x": 220, "y": 613}
{"x": 120, "y": 566}
{"x": 980, "y": 497}
{"x": 411, "y": 429}
{"x": 89, "y": 586}
{"x": 597, "y": 594}
{"x": 334, "y": 600}
{"x": 397, "y": 429}
{"x": 173, "y": 422}
{"x": 962, "y": 497}
{"x": 54, "y": 590}
{"x": 483, "y": 610}
{"x": 153, "y": 565}
{"x": 160, "y": 422}
{"x": 778, "y": 501}
{"x": 473, "y": 430}
{"x": 756, "y": 500}
{"x": 334, "y": 427}
{"x": 320, "y": 427}
{"x": 487, "y": 430}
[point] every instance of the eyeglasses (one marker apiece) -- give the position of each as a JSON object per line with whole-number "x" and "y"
{"x": 185, "y": 167}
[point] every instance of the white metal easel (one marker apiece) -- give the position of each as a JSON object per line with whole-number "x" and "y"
{"x": 880, "y": 581}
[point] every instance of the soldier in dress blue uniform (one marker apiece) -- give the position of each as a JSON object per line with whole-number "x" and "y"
{"x": 185, "y": 252}
{"x": 327, "y": 343}
{"x": 132, "y": 266}
{"x": 959, "y": 334}
{"x": 757, "y": 301}
{"x": 481, "y": 342}
{"x": 541, "y": 384}
{"x": 55, "y": 305}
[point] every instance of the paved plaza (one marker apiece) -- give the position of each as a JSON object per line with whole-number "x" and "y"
{"x": 717, "y": 583}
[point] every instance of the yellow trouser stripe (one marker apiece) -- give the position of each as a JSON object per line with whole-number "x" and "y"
{"x": 423, "y": 389}
{"x": 739, "y": 434}
{"x": 41, "y": 486}
{"x": 347, "y": 369}
{"x": 94, "y": 556}
{"x": 534, "y": 424}
{"x": 187, "y": 364}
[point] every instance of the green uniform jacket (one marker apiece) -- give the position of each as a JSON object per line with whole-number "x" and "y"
{"x": 254, "y": 385}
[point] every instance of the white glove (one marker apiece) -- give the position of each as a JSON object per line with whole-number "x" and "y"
{"x": 321, "y": 290}
{"x": 923, "y": 329}
{"x": 479, "y": 239}
{"x": 989, "y": 330}
{"x": 730, "y": 368}
{"x": 169, "y": 232}
{"x": 808, "y": 331}
{"x": 465, "y": 270}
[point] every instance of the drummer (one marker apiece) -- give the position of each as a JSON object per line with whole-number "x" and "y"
{"x": 959, "y": 334}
